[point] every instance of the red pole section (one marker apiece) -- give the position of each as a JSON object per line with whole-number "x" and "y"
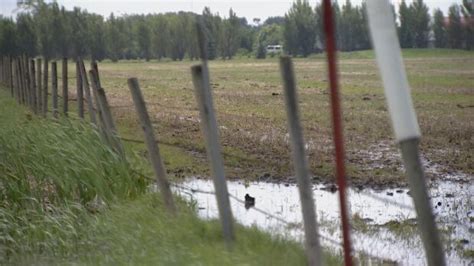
{"x": 337, "y": 127}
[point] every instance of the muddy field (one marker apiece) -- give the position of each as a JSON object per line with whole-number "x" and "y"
{"x": 251, "y": 115}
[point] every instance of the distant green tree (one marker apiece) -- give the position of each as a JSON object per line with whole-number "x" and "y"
{"x": 230, "y": 36}
{"x": 114, "y": 41}
{"x": 349, "y": 29}
{"x": 212, "y": 27}
{"x": 274, "y": 20}
{"x": 61, "y": 31}
{"x": 80, "y": 40}
{"x": 191, "y": 41}
{"x": 144, "y": 40}
{"x": 44, "y": 23}
{"x": 420, "y": 23}
{"x": 159, "y": 36}
{"x": 361, "y": 29}
{"x": 25, "y": 34}
{"x": 405, "y": 31}
{"x": 455, "y": 29}
{"x": 97, "y": 47}
{"x": 248, "y": 35}
{"x": 299, "y": 28}
{"x": 7, "y": 37}
{"x": 439, "y": 29}
{"x": 177, "y": 48}
{"x": 260, "y": 50}
{"x": 319, "y": 29}
{"x": 468, "y": 14}
{"x": 268, "y": 35}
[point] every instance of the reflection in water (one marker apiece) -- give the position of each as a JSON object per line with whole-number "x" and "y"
{"x": 387, "y": 216}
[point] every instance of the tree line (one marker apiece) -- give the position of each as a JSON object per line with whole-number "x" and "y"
{"x": 50, "y": 30}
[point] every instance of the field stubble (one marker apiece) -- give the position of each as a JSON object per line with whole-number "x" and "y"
{"x": 251, "y": 114}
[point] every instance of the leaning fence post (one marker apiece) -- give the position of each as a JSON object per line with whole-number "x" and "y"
{"x": 45, "y": 86}
{"x": 54, "y": 88}
{"x": 24, "y": 87}
{"x": 17, "y": 80}
{"x": 109, "y": 125}
{"x": 153, "y": 149}
{"x": 87, "y": 90}
{"x": 27, "y": 81}
{"x": 65, "y": 86}
{"x": 34, "y": 96}
{"x": 100, "y": 115}
{"x": 10, "y": 72}
{"x": 209, "y": 127}
{"x": 313, "y": 248}
{"x": 405, "y": 124}
{"x": 200, "y": 74}
{"x": 80, "y": 90}
{"x": 21, "y": 79}
{"x": 2, "y": 70}
{"x": 39, "y": 87}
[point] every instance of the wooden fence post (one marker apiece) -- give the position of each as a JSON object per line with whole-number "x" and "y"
{"x": 97, "y": 103}
{"x": 27, "y": 81}
{"x": 2, "y": 70}
{"x": 80, "y": 90}
{"x": 65, "y": 86}
{"x": 109, "y": 125}
{"x": 24, "y": 88}
{"x": 39, "y": 87}
{"x": 20, "y": 80}
{"x": 210, "y": 130}
{"x": 54, "y": 88}
{"x": 153, "y": 149}
{"x": 313, "y": 248}
{"x": 10, "y": 70}
{"x": 87, "y": 90}
{"x": 45, "y": 86}
{"x": 17, "y": 80}
{"x": 200, "y": 74}
{"x": 34, "y": 96}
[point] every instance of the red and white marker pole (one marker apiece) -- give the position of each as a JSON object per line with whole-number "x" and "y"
{"x": 329, "y": 31}
{"x": 405, "y": 124}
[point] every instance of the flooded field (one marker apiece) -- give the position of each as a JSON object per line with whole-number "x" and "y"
{"x": 383, "y": 221}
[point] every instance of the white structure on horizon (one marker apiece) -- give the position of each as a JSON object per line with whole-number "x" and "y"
{"x": 274, "y": 49}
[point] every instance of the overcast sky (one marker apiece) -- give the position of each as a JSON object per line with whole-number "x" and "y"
{"x": 244, "y": 8}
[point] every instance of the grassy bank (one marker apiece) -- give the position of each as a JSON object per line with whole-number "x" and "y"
{"x": 66, "y": 198}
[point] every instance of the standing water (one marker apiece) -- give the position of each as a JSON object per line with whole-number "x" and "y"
{"x": 384, "y": 221}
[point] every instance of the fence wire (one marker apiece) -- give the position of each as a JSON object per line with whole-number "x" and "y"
{"x": 193, "y": 190}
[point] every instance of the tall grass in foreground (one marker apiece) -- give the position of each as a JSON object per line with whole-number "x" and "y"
{"x": 52, "y": 174}
{"x": 54, "y": 178}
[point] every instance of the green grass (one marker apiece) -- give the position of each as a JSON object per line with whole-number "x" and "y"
{"x": 66, "y": 198}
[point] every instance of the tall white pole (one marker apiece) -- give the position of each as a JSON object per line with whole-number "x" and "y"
{"x": 407, "y": 132}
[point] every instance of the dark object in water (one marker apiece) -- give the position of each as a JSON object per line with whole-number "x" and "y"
{"x": 249, "y": 201}
{"x": 331, "y": 188}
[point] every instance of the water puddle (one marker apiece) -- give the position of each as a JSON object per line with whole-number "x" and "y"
{"x": 383, "y": 220}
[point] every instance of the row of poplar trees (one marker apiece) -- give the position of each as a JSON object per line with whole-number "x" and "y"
{"x": 52, "y": 31}
{"x": 303, "y": 26}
